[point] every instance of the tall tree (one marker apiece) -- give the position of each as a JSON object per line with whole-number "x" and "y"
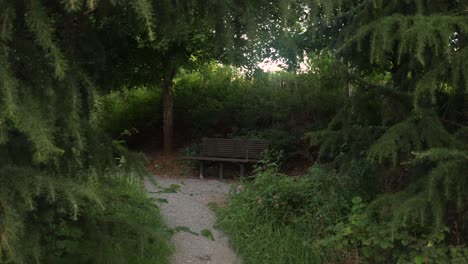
{"x": 50, "y": 143}
{"x": 407, "y": 116}
{"x": 184, "y": 32}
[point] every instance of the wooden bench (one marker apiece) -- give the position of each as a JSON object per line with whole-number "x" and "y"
{"x": 241, "y": 151}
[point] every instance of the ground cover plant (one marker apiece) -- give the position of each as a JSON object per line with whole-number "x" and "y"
{"x": 280, "y": 219}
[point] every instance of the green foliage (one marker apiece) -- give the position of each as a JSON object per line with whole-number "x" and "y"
{"x": 280, "y": 219}
{"x": 384, "y": 240}
{"x": 184, "y": 229}
{"x": 63, "y": 195}
{"x": 216, "y": 100}
{"x": 139, "y": 108}
{"x": 404, "y": 118}
{"x": 403, "y": 127}
{"x": 60, "y": 220}
{"x": 207, "y": 233}
{"x": 421, "y": 130}
{"x": 269, "y": 160}
{"x": 128, "y": 229}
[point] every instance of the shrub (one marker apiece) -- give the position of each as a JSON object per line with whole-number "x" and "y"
{"x": 280, "y": 219}
{"x": 124, "y": 227}
{"x": 378, "y": 239}
{"x": 217, "y": 101}
{"x": 136, "y": 108}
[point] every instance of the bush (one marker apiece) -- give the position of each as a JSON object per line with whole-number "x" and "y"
{"x": 217, "y": 101}
{"x": 137, "y": 108}
{"x": 378, "y": 239}
{"x": 124, "y": 227}
{"x": 280, "y": 219}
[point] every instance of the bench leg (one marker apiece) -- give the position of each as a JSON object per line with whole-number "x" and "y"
{"x": 201, "y": 170}
{"x": 242, "y": 169}
{"x": 221, "y": 170}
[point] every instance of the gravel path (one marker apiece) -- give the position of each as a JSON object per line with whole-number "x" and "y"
{"x": 188, "y": 208}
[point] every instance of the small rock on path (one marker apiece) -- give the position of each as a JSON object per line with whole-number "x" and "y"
{"x": 188, "y": 207}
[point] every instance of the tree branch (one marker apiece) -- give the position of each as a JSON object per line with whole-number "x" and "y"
{"x": 386, "y": 89}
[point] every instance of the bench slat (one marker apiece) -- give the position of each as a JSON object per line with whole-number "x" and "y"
{"x": 222, "y": 159}
{"x": 233, "y": 148}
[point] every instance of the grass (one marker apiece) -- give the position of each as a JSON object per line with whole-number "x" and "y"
{"x": 263, "y": 242}
{"x": 279, "y": 219}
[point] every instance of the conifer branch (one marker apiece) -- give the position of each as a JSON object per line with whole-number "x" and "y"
{"x": 9, "y": 86}
{"x": 381, "y": 88}
{"x": 39, "y": 24}
{"x": 144, "y": 10}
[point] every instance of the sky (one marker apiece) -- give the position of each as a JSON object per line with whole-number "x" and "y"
{"x": 271, "y": 66}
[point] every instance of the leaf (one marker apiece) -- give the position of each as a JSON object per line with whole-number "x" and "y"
{"x": 173, "y": 188}
{"x": 366, "y": 251}
{"x": 161, "y": 200}
{"x": 348, "y": 231}
{"x": 356, "y": 200}
{"x": 385, "y": 244}
{"x": 184, "y": 229}
{"x": 207, "y": 233}
{"x": 418, "y": 260}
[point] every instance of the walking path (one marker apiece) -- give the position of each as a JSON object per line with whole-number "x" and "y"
{"x": 187, "y": 209}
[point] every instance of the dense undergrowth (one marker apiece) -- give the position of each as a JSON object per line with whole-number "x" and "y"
{"x": 390, "y": 187}
{"x": 124, "y": 227}
{"x": 98, "y": 220}
{"x": 216, "y": 101}
{"x": 317, "y": 218}
{"x": 282, "y": 219}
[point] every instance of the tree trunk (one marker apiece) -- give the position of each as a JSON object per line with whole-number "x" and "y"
{"x": 168, "y": 118}
{"x": 168, "y": 108}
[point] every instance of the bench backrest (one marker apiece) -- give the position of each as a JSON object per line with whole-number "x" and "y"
{"x": 249, "y": 149}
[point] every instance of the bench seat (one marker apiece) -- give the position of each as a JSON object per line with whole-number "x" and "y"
{"x": 222, "y": 159}
{"x": 230, "y": 150}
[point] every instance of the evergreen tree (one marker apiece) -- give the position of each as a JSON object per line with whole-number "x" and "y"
{"x": 407, "y": 115}
{"x": 53, "y": 156}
